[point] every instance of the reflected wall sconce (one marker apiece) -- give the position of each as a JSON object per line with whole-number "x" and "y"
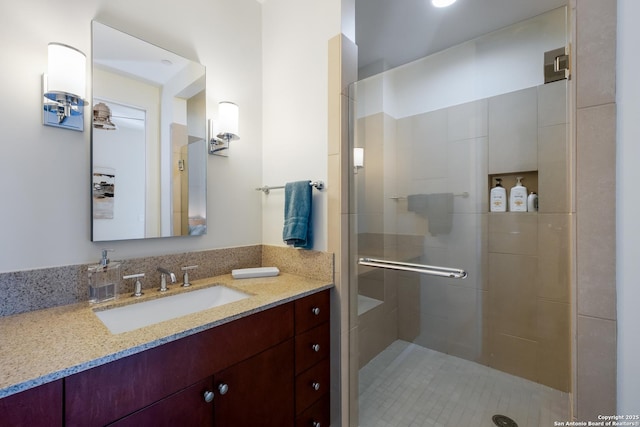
{"x": 358, "y": 159}
{"x": 224, "y": 131}
{"x": 102, "y": 117}
{"x": 64, "y": 87}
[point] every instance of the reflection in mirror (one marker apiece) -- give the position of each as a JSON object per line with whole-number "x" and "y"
{"x": 149, "y": 148}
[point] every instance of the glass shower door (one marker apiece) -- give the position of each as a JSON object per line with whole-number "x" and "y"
{"x": 463, "y": 313}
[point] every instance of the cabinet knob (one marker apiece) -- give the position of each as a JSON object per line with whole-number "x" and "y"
{"x": 315, "y": 386}
{"x": 315, "y": 423}
{"x": 208, "y": 396}
{"x": 223, "y": 388}
{"x": 315, "y": 347}
{"x": 315, "y": 310}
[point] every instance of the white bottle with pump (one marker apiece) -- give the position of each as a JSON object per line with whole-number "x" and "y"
{"x": 532, "y": 202}
{"x": 518, "y": 197}
{"x": 498, "y": 197}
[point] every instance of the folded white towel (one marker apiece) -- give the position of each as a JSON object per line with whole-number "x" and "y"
{"x": 246, "y": 273}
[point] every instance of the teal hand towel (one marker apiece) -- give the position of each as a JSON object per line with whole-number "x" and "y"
{"x": 297, "y": 230}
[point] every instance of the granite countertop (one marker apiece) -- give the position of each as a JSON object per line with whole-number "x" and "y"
{"x": 42, "y": 346}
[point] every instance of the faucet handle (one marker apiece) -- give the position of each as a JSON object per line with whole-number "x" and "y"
{"x": 185, "y": 276}
{"x": 137, "y": 292}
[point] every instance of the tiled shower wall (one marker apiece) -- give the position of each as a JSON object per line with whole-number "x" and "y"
{"x": 512, "y": 312}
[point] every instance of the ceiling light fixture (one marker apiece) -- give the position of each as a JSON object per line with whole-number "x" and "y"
{"x": 442, "y": 3}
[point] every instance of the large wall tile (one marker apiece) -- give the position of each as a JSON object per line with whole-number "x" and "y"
{"x": 514, "y": 355}
{"x": 466, "y": 121}
{"x": 554, "y": 354}
{"x": 552, "y": 104}
{"x": 513, "y": 233}
{"x": 429, "y": 145}
{"x": 554, "y": 233}
{"x": 408, "y": 306}
{"x": 596, "y": 370}
{"x": 513, "y": 132}
{"x": 553, "y": 170}
{"x": 513, "y": 283}
{"x": 595, "y": 52}
{"x": 595, "y": 204}
{"x": 467, "y": 173}
{"x": 378, "y": 328}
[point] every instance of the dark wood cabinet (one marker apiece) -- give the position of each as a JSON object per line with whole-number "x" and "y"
{"x": 268, "y": 369}
{"x": 109, "y": 392}
{"x": 39, "y": 406}
{"x": 312, "y": 360}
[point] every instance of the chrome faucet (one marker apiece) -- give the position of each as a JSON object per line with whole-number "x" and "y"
{"x": 163, "y": 278}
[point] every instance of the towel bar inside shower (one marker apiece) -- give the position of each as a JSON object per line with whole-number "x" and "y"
{"x": 267, "y": 188}
{"x": 431, "y": 270}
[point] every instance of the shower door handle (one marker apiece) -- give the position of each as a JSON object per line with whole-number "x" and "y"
{"x": 431, "y": 270}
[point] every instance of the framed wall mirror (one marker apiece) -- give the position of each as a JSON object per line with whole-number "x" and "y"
{"x": 148, "y": 140}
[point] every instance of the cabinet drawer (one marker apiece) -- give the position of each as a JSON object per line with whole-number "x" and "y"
{"x": 317, "y": 414}
{"x": 311, "y": 347}
{"x": 187, "y": 407}
{"x": 311, "y": 385}
{"x": 312, "y": 310}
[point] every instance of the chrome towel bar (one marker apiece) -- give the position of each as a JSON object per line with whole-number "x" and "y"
{"x": 431, "y": 270}
{"x": 267, "y": 188}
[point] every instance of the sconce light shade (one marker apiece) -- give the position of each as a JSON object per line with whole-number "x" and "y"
{"x": 227, "y": 129}
{"x": 228, "y": 121}
{"x": 64, "y": 87}
{"x": 66, "y": 71}
{"x": 358, "y": 157}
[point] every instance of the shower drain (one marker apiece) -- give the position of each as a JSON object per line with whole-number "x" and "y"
{"x": 503, "y": 421}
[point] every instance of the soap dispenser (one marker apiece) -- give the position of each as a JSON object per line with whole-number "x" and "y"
{"x": 104, "y": 279}
{"x": 498, "y": 197}
{"x": 518, "y": 197}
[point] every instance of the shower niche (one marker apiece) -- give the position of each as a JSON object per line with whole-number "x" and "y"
{"x": 509, "y": 179}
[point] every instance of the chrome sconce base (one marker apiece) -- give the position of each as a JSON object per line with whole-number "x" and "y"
{"x": 62, "y": 110}
{"x": 219, "y": 145}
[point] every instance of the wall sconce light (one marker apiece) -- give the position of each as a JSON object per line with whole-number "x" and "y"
{"x": 227, "y": 129}
{"x": 64, "y": 87}
{"x": 358, "y": 159}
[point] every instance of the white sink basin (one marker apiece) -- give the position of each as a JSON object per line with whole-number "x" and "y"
{"x": 134, "y": 316}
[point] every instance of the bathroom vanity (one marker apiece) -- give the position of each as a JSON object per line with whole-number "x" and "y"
{"x": 268, "y": 366}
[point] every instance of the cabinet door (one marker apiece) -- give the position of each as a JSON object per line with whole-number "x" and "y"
{"x": 258, "y": 391}
{"x": 189, "y": 407}
{"x": 39, "y": 406}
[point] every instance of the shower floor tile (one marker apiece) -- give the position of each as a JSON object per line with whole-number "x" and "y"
{"x": 407, "y": 385}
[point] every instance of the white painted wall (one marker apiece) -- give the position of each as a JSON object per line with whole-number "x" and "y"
{"x": 295, "y": 36}
{"x": 123, "y": 151}
{"x": 628, "y": 207}
{"x": 42, "y": 226}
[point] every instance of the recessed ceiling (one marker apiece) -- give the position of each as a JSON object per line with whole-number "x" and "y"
{"x": 390, "y": 33}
